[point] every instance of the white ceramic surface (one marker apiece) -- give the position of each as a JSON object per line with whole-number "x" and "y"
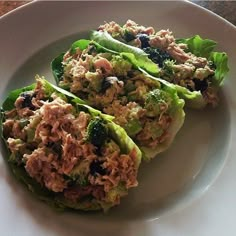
{"x": 188, "y": 190}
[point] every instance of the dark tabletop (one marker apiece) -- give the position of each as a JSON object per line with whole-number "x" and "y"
{"x": 226, "y": 9}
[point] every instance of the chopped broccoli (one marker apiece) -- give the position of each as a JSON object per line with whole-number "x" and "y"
{"x": 156, "y": 102}
{"x": 168, "y": 71}
{"x": 120, "y": 66}
{"x": 79, "y": 173}
{"x": 30, "y": 133}
{"x": 15, "y": 158}
{"x": 97, "y": 132}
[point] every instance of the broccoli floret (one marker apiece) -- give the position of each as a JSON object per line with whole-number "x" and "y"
{"x": 167, "y": 70}
{"x": 97, "y": 132}
{"x": 156, "y": 102}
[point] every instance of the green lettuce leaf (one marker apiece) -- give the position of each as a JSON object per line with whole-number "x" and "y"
{"x": 8, "y": 104}
{"x": 220, "y": 60}
{"x": 81, "y": 44}
{"x": 198, "y": 46}
{"x": 124, "y": 141}
{"x": 117, "y": 133}
{"x": 193, "y": 99}
{"x": 138, "y": 56}
{"x": 57, "y": 67}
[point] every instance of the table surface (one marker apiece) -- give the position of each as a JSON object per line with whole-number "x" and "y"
{"x": 226, "y": 9}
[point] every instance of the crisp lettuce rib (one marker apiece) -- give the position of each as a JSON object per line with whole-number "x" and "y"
{"x": 136, "y": 55}
{"x": 117, "y": 134}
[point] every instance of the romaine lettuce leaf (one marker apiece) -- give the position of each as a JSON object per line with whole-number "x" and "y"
{"x": 136, "y": 55}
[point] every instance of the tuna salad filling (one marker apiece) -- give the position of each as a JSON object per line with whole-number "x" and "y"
{"x": 68, "y": 150}
{"x": 111, "y": 84}
{"x": 177, "y": 63}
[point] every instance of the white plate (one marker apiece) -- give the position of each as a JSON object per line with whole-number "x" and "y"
{"x": 170, "y": 199}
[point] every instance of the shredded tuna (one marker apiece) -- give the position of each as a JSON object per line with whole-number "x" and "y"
{"x": 110, "y": 27}
{"x": 41, "y": 166}
{"x": 162, "y": 39}
{"x": 104, "y": 64}
{"x": 178, "y": 53}
{"x": 123, "y": 113}
{"x": 149, "y": 137}
{"x": 73, "y": 151}
{"x": 120, "y": 169}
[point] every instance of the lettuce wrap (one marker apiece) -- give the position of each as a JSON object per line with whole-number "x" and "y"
{"x": 67, "y": 153}
{"x": 148, "y": 108}
{"x": 191, "y": 64}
